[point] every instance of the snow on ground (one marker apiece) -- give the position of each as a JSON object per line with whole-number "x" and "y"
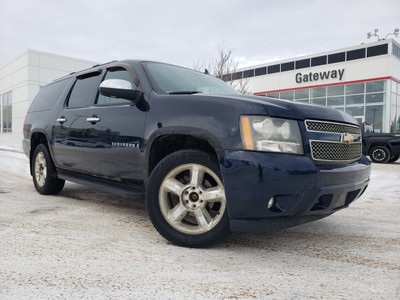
{"x": 88, "y": 244}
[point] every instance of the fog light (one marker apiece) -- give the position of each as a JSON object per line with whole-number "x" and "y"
{"x": 270, "y": 202}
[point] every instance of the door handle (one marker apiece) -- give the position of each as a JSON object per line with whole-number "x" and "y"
{"x": 93, "y": 119}
{"x": 61, "y": 120}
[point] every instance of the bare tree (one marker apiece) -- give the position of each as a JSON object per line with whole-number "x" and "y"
{"x": 223, "y": 67}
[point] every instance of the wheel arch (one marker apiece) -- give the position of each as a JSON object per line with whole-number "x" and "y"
{"x": 166, "y": 142}
{"x": 37, "y": 138}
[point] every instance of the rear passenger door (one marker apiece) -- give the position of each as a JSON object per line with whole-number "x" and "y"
{"x": 68, "y": 132}
{"x": 114, "y": 137}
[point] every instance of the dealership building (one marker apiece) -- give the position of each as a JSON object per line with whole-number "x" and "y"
{"x": 363, "y": 81}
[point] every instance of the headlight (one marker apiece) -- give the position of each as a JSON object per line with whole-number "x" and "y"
{"x": 270, "y": 134}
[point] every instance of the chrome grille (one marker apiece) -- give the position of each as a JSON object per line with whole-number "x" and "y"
{"x": 335, "y": 151}
{"x": 331, "y": 127}
{"x": 337, "y": 147}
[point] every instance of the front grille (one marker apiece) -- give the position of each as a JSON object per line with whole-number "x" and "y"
{"x": 335, "y": 151}
{"x": 339, "y": 142}
{"x": 331, "y": 127}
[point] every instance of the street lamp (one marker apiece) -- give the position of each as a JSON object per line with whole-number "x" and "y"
{"x": 395, "y": 33}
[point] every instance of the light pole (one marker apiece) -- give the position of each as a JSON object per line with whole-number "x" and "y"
{"x": 395, "y": 33}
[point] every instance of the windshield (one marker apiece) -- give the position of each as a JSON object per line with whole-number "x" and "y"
{"x": 169, "y": 79}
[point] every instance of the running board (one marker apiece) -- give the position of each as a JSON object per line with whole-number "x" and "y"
{"x": 113, "y": 187}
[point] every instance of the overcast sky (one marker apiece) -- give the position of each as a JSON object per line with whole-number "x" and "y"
{"x": 186, "y": 32}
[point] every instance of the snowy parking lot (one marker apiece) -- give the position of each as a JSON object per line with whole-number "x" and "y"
{"x": 88, "y": 244}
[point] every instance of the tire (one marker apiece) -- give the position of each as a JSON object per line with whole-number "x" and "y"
{"x": 379, "y": 154}
{"x": 185, "y": 199}
{"x": 44, "y": 172}
{"x": 394, "y": 158}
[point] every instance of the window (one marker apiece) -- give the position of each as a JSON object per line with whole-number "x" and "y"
{"x": 375, "y": 86}
{"x": 335, "y": 90}
{"x": 356, "y": 54}
{"x": 83, "y": 91}
{"x": 237, "y": 75}
{"x": 273, "y": 95}
{"x": 375, "y": 97}
{"x": 355, "y": 111}
{"x": 377, "y": 50}
{"x": 318, "y": 92}
{"x": 336, "y": 57}
{"x": 320, "y": 101}
{"x": 7, "y": 112}
{"x": 335, "y": 101}
{"x": 304, "y": 63}
{"x": 396, "y": 51}
{"x": 49, "y": 95}
{"x": 248, "y": 73}
{"x": 287, "y": 95}
{"x": 261, "y": 71}
{"x": 301, "y": 94}
{"x": 274, "y": 69}
{"x": 115, "y": 73}
{"x": 227, "y": 77}
{"x": 374, "y": 116}
{"x": 287, "y": 66}
{"x": 355, "y": 88}
{"x": 318, "y": 61}
{"x": 354, "y": 99}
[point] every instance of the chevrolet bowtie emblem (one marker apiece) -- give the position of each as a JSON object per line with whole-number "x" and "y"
{"x": 347, "y": 138}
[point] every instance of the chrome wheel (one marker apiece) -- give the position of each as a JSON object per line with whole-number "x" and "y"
{"x": 40, "y": 169}
{"x": 192, "y": 199}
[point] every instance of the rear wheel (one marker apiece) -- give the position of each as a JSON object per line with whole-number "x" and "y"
{"x": 44, "y": 172}
{"x": 379, "y": 154}
{"x": 186, "y": 201}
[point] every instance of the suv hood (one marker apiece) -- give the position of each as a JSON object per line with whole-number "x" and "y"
{"x": 296, "y": 110}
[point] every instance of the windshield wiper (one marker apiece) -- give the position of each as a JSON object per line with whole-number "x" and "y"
{"x": 183, "y": 92}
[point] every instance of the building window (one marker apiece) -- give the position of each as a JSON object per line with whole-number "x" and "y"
{"x": 274, "y": 69}
{"x": 318, "y": 61}
{"x": 336, "y": 57}
{"x": 287, "y": 95}
{"x": 6, "y": 109}
{"x": 377, "y": 50}
{"x": 287, "y": 66}
{"x": 304, "y": 63}
{"x": 248, "y": 73}
{"x": 356, "y": 54}
{"x": 261, "y": 71}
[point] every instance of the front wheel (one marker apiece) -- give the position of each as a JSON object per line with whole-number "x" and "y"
{"x": 185, "y": 199}
{"x": 379, "y": 154}
{"x": 44, "y": 172}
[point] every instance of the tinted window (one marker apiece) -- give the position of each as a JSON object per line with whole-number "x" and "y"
{"x": 336, "y": 57}
{"x": 375, "y": 86}
{"x": 356, "y": 54}
{"x": 237, "y": 75}
{"x": 114, "y": 73}
{"x": 227, "y": 77}
{"x": 287, "y": 66}
{"x": 82, "y": 92}
{"x": 49, "y": 95}
{"x": 377, "y": 50}
{"x": 261, "y": 71}
{"x": 274, "y": 69}
{"x": 304, "y": 63}
{"x": 318, "y": 61}
{"x": 248, "y": 73}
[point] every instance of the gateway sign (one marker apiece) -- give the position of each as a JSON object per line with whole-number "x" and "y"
{"x": 300, "y": 77}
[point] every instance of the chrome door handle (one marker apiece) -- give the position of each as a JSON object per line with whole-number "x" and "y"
{"x": 93, "y": 119}
{"x": 61, "y": 120}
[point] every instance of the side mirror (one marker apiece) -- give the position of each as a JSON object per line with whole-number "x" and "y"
{"x": 118, "y": 88}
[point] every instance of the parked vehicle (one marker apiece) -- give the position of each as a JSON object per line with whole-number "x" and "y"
{"x": 381, "y": 147}
{"x": 207, "y": 159}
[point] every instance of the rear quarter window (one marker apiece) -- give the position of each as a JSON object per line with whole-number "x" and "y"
{"x": 49, "y": 95}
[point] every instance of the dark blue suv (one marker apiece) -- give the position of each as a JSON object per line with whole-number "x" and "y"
{"x": 207, "y": 159}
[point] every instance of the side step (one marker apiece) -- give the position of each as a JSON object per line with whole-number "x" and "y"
{"x": 106, "y": 185}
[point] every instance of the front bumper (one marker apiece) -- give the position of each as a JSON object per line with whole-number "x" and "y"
{"x": 301, "y": 191}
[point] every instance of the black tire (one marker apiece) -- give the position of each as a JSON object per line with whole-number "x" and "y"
{"x": 44, "y": 172}
{"x": 394, "y": 158}
{"x": 379, "y": 154}
{"x": 191, "y": 215}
